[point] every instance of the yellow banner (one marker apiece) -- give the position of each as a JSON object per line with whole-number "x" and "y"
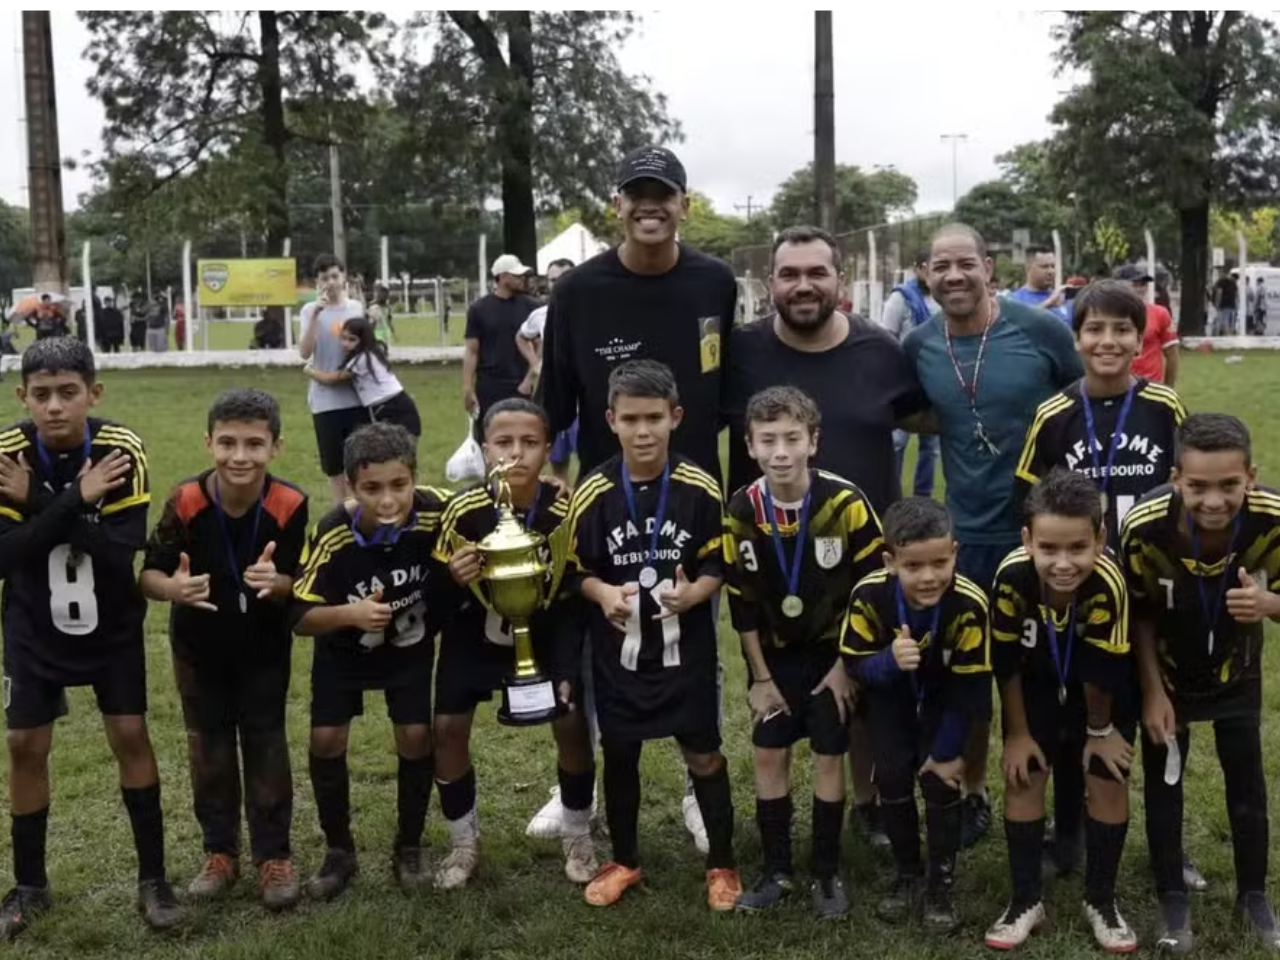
{"x": 247, "y": 283}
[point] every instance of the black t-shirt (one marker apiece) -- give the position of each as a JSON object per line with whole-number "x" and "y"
{"x": 1169, "y": 588}
{"x": 1059, "y": 437}
{"x": 863, "y": 386}
{"x": 494, "y": 321}
{"x": 1228, "y": 292}
{"x": 842, "y": 545}
{"x": 71, "y": 597}
{"x": 602, "y": 314}
{"x": 190, "y": 525}
{"x": 658, "y": 678}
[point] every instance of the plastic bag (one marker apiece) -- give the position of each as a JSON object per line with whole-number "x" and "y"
{"x": 467, "y": 462}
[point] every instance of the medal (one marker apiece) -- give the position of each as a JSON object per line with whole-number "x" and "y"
{"x": 905, "y": 620}
{"x": 1062, "y": 694}
{"x": 792, "y": 605}
{"x": 1210, "y": 613}
{"x": 244, "y": 603}
{"x": 648, "y": 573}
{"x": 1103, "y": 477}
{"x": 224, "y": 528}
{"x": 1061, "y": 659}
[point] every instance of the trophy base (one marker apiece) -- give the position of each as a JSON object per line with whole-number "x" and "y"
{"x": 529, "y": 702}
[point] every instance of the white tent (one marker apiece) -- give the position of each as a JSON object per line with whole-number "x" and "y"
{"x": 576, "y": 243}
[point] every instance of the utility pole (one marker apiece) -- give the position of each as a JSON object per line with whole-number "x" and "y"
{"x": 824, "y": 122}
{"x": 956, "y": 139}
{"x": 749, "y": 206}
{"x": 335, "y": 205}
{"x": 48, "y": 224}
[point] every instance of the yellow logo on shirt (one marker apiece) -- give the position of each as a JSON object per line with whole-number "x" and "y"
{"x": 709, "y": 334}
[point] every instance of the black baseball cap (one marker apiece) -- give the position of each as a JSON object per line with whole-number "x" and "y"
{"x": 653, "y": 163}
{"x": 1133, "y": 273}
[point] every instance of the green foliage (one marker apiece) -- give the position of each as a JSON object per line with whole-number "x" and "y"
{"x": 862, "y": 199}
{"x": 15, "y": 249}
{"x": 1259, "y": 227}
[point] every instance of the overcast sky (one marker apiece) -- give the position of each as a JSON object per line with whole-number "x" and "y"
{"x": 742, "y": 86}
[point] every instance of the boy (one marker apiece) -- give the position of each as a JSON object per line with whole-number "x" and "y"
{"x": 917, "y": 640}
{"x": 1202, "y": 556}
{"x": 645, "y": 556}
{"x": 796, "y": 540}
{"x": 365, "y": 593}
{"x": 74, "y": 491}
{"x": 217, "y": 556}
{"x": 476, "y": 649}
{"x": 1060, "y": 645}
{"x": 1118, "y": 430}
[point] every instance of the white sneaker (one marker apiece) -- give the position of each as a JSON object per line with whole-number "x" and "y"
{"x": 693, "y": 823}
{"x": 1012, "y": 931}
{"x": 580, "y": 864}
{"x": 548, "y": 823}
{"x": 457, "y": 868}
{"x": 1111, "y": 931}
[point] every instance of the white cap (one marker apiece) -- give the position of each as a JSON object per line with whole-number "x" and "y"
{"x": 510, "y": 263}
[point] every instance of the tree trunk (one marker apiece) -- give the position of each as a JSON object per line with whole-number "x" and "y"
{"x": 824, "y": 124}
{"x": 1194, "y": 230}
{"x": 275, "y": 134}
{"x": 48, "y": 223}
{"x": 519, "y": 223}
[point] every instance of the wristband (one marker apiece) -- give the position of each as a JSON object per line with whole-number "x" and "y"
{"x": 1102, "y": 734}
{"x": 762, "y": 680}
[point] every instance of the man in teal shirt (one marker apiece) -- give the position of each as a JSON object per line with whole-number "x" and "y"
{"x": 985, "y": 365}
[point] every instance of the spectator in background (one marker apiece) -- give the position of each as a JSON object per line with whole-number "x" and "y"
{"x": 157, "y": 325}
{"x": 82, "y": 324}
{"x": 380, "y": 315}
{"x": 1226, "y": 301}
{"x": 1037, "y": 290}
{"x": 138, "y": 325}
{"x": 1260, "y": 309}
{"x": 909, "y": 305}
{"x": 48, "y": 320}
{"x": 180, "y": 327}
{"x": 110, "y": 327}
{"x": 268, "y": 333}
{"x": 1157, "y": 360}
{"x": 492, "y": 367}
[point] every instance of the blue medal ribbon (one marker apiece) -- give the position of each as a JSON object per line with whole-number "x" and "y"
{"x": 905, "y": 619}
{"x": 791, "y": 571}
{"x": 46, "y": 458}
{"x": 629, "y": 491}
{"x": 224, "y": 528}
{"x": 1061, "y": 661}
{"x": 1210, "y": 613}
{"x": 385, "y": 535}
{"x": 1104, "y": 479}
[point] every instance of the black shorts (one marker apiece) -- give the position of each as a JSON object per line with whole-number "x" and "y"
{"x": 816, "y": 719}
{"x": 120, "y": 687}
{"x": 1060, "y": 730}
{"x": 222, "y": 693}
{"x": 337, "y": 694}
{"x": 400, "y": 410}
{"x": 901, "y": 737}
{"x": 332, "y": 429}
{"x": 472, "y": 669}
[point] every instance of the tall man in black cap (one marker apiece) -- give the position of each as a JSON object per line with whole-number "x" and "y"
{"x": 651, "y": 297}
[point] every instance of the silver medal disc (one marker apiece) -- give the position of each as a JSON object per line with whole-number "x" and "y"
{"x": 648, "y": 578}
{"x": 792, "y": 606}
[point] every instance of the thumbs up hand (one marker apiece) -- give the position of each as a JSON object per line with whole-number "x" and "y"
{"x": 261, "y": 575}
{"x": 371, "y": 614}
{"x": 1249, "y": 603}
{"x": 906, "y": 652}
{"x": 677, "y": 599}
{"x": 188, "y": 590}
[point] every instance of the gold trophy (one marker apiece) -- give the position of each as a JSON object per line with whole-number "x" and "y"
{"x": 517, "y": 579}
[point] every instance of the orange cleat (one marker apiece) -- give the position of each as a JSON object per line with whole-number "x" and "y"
{"x": 610, "y": 884}
{"x": 723, "y": 889}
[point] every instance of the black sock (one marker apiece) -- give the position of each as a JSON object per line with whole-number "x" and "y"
{"x": 1026, "y": 843}
{"x": 773, "y": 817}
{"x": 413, "y": 795}
{"x": 1105, "y": 843}
{"x": 824, "y": 854}
{"x": 577, "y": 790}
{"x": 901, "y": 822}
{"x": 29, "y": 832}
{"x": 715, "y": 800}
{"x": 143, "y": 804}
{"x": 331, "y": 783}
{"x": 458, "y": 797}
{"x": 622, "y": 800}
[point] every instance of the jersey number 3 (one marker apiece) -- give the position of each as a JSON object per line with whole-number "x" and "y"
{"x": 73, "y": 604}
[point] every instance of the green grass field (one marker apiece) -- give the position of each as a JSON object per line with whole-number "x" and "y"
{"x": 520, "y": 905}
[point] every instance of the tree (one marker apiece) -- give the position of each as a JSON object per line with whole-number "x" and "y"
{"x": 15, "y": 249}
{"x": 1181, "y": 107}
{"x": 862, "y": 200}
{"x": 540, "y": 106}
{"x": 1258, "y": 227}
{"x": 996, "y": 209}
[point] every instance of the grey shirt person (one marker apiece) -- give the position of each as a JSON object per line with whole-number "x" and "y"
{"x": 896, "y": 315}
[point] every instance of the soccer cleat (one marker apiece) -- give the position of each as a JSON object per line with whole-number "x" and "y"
{"x": 939, "y": 915}
{"x": 410, "y": 872}
{"x": 723, "y": 889}
{"x": 830, "y": 902}
{"x": 1192, "y": 876}
{"x": 608, "y": 886}
{"x": 459, "y": 866}
{"x": 1253, "y": 909}
{"x": 158, "y": 906}
{"x": 865, "y": 817}
{"x": 1015, "y": 926}
{"x": 20, "y": 906}
{"x": 1111, "y": 931}
{"x": 580, "y": 864}
{"x": 693, "y": 823}
{"x": 975, "y": 819}
{"x": 278, "y": 884}
{"x": 766, "y": 893}
{"x": 1173, "y": 925}
{"x": 899, "y": 903}
{"x": 548, "y": 822}
{"x": 335, "y": 874}
{"x": 216, "y": 877}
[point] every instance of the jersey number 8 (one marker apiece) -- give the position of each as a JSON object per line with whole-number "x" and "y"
{"x": 73, "y": 604}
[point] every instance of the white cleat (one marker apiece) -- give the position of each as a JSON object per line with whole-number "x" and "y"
{"x": 693, "y": 823}
{"x": 1012, "y": 930}
{"x": 1111, "y": 931}
{"x": 580, "y": 864}
{"x": 548, "y": 823}
{"x": 459, "y": 866}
